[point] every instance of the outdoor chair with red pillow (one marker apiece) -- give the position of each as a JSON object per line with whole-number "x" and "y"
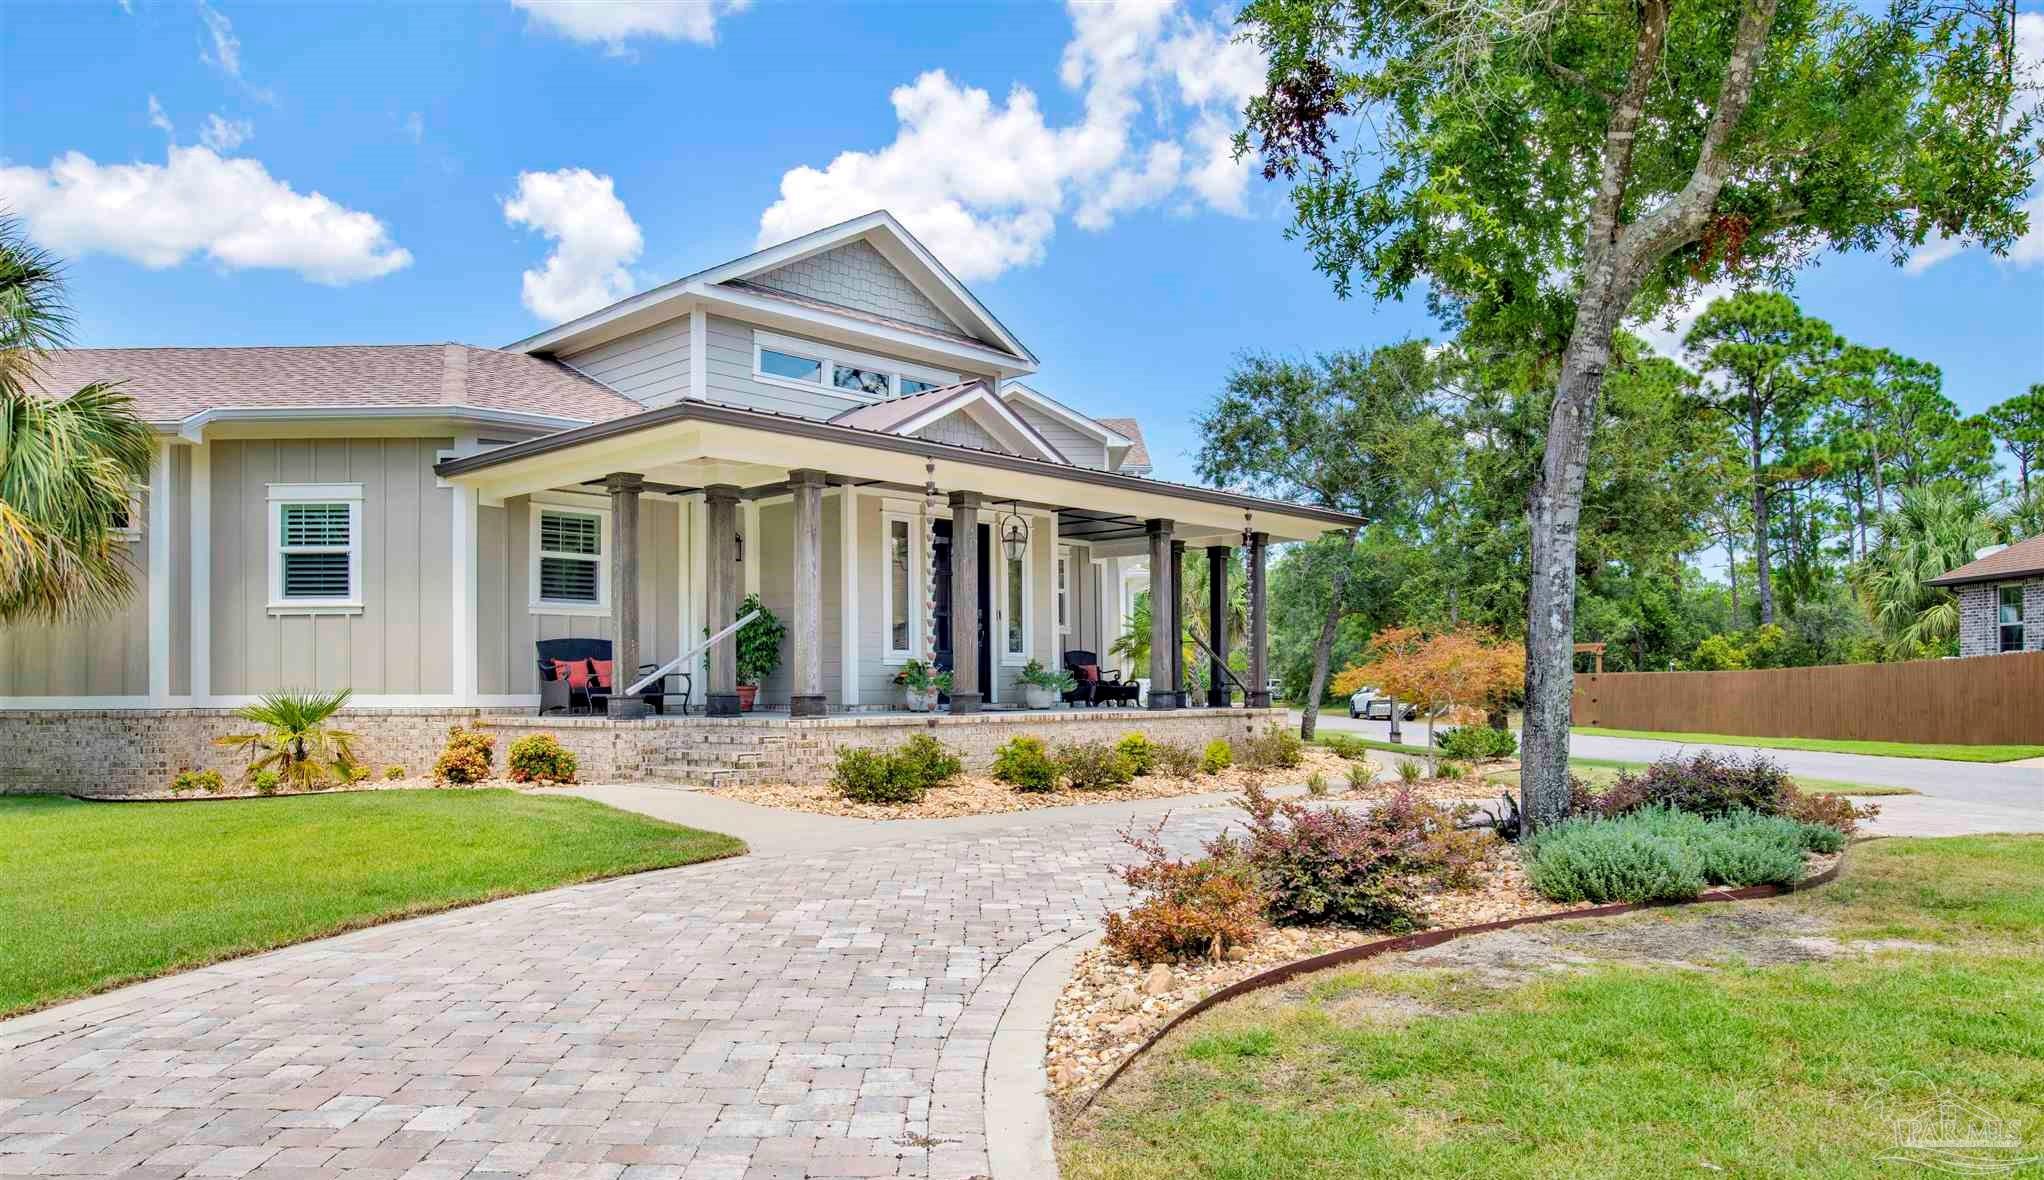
{"x": 1091, "y": 686}
{"x": 575, "y": 676}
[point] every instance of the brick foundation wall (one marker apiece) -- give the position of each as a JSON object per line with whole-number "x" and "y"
{"x": 115, "y": 752}
{"x": 702, "y": 751}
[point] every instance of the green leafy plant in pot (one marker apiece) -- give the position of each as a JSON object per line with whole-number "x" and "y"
{"x": 921, "y": 685}
{"x": 759, "y": 649}
{"x": 1041, "y": 685}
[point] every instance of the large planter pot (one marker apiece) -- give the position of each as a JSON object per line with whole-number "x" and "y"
{"x": 1036, "y": 696}
{"x": 747, "y": 694}
{"x": 920, "y": 702}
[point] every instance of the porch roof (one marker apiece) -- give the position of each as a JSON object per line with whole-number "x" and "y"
{"x": 693, "y": 444}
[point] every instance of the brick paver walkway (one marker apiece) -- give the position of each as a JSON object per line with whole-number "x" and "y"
{"x": 788, "y": 1015}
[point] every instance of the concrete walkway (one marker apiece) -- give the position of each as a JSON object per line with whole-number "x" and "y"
{"x": 824, "y": 1007}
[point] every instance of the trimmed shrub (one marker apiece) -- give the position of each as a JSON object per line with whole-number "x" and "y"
{"x": 538, "y": 758}
{"x": 1022, "y": 763}
{"x": 266, "y": 782}
{"x": 927, "y": 762}
{"x": 466, "y": 757}
{"x": 393, "y": 773}
{"x": 869, "y": 776}
{"x": 1474, "y": 743}
{"x": 1333, "y": 865}
{"x": 1174, "y": 760}
{"x": 1090, "y": 765}
{"x": 1835, "y": 812}
{"x": 1140, "y": 752}
{"x": 206, "y": 781}
{"x": 1351, "y": 748}
{"x": 1598, "y": 861}
{"x": 355, "y": 772}
{"x": 1275, "y": 749}
{"x": 1193, "y": 908}
{"x": 1217, "y": 757}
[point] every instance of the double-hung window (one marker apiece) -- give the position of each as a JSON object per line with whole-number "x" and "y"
{"x": 315, "y": 547}
{"x": 2009, "y": 617}
{"x": 569, "y": 549}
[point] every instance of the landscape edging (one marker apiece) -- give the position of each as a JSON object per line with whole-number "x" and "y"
{"x": 1420, "y": 940}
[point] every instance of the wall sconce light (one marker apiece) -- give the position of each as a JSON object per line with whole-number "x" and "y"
{"x": 1014, "y": 534}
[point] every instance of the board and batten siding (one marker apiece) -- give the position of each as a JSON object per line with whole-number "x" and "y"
{"x": 650, "y": 366}
{"x": 399, "y": 642}
{"x": 108, "y": 656}
{"x": 506, "y": 624}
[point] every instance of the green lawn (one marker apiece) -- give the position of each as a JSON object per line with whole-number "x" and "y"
{"x": 1625, "y": 1072}
{"x": 1948, "y": 753}
{"x": 98, "y": 894}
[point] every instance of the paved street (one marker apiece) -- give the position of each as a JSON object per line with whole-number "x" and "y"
{"x": 1958, "y": 796}
{"x": 822, "y": 1008}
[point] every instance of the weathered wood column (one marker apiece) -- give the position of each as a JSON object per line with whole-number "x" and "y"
{"x": 1163, "y": 616}
{"x": 624, "y": 487}
{"x": 805, "y": 632}
{"x": 721, "y": 508}
{"x": 1219, "y": 694}
{"x": 1259, "y": 624}
{"x": 965, "y": 603}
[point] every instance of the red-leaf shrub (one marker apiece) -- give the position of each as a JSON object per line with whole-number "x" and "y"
{"x": 1833, "y": 811}
{"x": 1194, "y": 907}
{"x": 1355, "y": 867}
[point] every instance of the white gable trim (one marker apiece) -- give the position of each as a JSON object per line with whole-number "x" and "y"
{"x": 1000, "y": 420}
{"x": 1067, "y": 415}
{"x": 879, "y": 229}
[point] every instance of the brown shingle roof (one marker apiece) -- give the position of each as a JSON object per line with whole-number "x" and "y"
{"x": 1132, "y": 430}
{"x": 171, "y": 384}
{"x": 2024, "y": 559}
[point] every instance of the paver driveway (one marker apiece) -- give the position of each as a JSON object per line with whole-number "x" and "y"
{"x": 815, "y": 1014}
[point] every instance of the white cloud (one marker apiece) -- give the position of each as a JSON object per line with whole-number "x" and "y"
{"x": 984, "y": 182}
{"x": 2027, "y": 250}
{"x": 224, "y": 135}
{"x": 1664, "y": 332}
{"x": 613, "y": 23}
{"x": 594, "y": 238}
{"x": 414, "y": 126}
{"x": 158, "y": 119}
{"x": 225, "y": 55}
{"x": 232, "y": 211}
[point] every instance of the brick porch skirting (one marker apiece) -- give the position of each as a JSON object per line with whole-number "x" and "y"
{"x": 123, "y": 752}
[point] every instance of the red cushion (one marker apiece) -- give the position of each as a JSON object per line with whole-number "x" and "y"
{"x": 577, "y": 672}
{"x": 601, "y": 668}
{"x": 1088, "y": 673}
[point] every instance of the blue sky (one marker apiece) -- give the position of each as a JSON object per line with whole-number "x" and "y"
{"x": 1092, "y": 214}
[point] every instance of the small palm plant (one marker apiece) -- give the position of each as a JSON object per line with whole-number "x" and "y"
{"x": 295, "y": 740}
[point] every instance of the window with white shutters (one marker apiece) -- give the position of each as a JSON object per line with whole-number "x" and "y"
{"x": 316, "y": 546}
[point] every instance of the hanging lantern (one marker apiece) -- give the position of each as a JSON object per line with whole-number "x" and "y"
{"x": 1014, "y": 534}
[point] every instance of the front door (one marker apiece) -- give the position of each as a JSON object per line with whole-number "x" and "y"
{"x": 941, "y": 619}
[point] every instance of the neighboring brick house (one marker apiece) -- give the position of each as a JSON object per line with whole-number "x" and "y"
{"x": 2001, "y": 599}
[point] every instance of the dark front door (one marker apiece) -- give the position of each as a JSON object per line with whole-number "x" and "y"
{"x": 941, "y": 620}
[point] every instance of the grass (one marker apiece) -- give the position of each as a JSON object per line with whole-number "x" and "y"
{"x": 1949, "y": 753}
{"x": 1621, "y": 1072}
{"x": 1320, "y": 739}
{"x": 94, "y": 895}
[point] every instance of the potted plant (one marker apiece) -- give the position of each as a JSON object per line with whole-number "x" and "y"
{"x": 759, "y": 649}
{"x": 1041, "y": 685}
{"x": 921, "y": 685}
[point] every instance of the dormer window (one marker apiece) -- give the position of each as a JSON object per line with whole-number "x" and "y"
{"x": 790, "y": 366}
{"x": 838, "y": 372}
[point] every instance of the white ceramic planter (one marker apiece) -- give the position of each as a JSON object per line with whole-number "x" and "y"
{"x": 1035, "y": 696}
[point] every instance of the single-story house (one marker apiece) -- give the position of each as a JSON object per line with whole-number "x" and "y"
{"x": 835, "y": 424}
{"x": 2001, "y": 599}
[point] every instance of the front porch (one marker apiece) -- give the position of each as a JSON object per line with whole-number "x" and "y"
{"x": 874, "y": 548}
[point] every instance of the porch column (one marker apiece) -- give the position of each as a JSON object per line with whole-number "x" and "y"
{"x": 1258, "y": 696}
{"x": 1163, "y": 615}
{"x": 805, "y": 691}
{"x": 965, "y": 603}
{"x": 1219, "y": 694}
{"x": 1178, "y": 692}
{"x": 624, "y": 487}
{"x": 720, "y": 502}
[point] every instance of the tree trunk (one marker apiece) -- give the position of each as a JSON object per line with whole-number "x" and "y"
{"x": 1732, "y": 570}
{"x": 1323, "y": 649}
{"x": 1764, "y": 584}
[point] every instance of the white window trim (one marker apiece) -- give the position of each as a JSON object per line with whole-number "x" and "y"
{"x": 891, "y": 656}
{"x": 280, "y": 494}
{"x": 832, "y": 357}
{"x": 2022, "y": 623}
{"x": 542, "y": 606}
{"x": 1061, "y": 588}
{"x": 133, "y": 531}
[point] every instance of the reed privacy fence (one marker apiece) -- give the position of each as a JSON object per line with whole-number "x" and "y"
{"x": 1985, "y": 700}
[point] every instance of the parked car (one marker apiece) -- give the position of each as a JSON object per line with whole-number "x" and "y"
{"x": 1370, "y": 704}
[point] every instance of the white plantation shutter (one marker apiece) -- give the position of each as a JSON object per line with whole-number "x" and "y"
{"x": 316, "y": 542}
{"x": 570, "y": 557}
